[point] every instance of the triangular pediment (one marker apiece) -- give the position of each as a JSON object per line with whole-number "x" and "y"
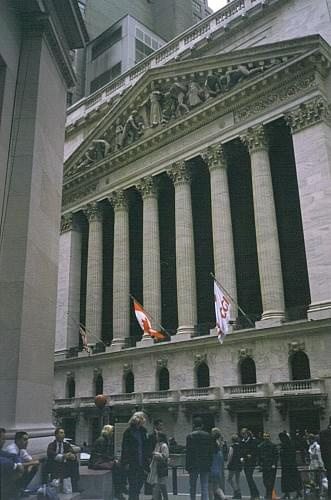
{"x": 170, "y": 94}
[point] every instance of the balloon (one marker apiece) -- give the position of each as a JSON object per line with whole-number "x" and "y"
{"x": 100, "y": 400}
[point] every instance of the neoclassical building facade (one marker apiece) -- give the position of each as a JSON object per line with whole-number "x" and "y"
{"x": 214, "y": 159}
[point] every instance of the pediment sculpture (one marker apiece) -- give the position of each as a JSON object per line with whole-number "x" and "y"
{"x": 166, "y": 101}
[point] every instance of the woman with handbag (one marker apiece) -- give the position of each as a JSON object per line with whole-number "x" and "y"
{"x": 158, "y": 474}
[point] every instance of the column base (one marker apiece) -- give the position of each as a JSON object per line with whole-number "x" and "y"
{"x": 185, "y": 332}
{"x": 270, "y": 319}
{"x": 146, "y": 341}
{"x": 116, "y": 345}
{"x": 60, "y": 355}
{"x": 320, "y": 310}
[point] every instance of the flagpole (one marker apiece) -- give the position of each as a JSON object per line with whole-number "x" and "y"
{"x": 80, "y": 325}
{"x": 232, "y": 300}
{"x": 155, "y": 322}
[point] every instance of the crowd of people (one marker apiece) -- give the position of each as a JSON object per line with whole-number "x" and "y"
{"x": 144, "y": 460}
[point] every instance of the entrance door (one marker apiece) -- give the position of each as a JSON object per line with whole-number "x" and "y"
{"x": 69, "y": 425}
{"x": 304, "y": 420}
{"x": 253, "y": 422}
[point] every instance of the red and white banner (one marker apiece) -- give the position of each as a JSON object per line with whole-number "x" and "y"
{"x": 83, "y": 335}
{"x": 145, "y": 322}
{"x": 222, "y": 312}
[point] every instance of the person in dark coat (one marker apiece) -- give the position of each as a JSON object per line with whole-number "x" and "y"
{"x": 249, "y": 460}
{"x": 290, "y": 479}
{"x": 62, "y": 460}
{"x": 325, "y": 444}
{"x": 135, "y": 454}
{"x": 199, "y": 455}
{"x": 268, "y": 458}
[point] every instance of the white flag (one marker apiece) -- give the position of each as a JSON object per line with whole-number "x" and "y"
{"x": 222, "y": 312}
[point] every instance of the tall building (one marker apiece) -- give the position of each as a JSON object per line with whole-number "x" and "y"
{"x": 120, "y": 30}
{"x": 210, "y": 155}
{"x": 35, "y": 72}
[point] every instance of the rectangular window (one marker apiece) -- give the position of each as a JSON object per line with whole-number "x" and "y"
{"x": 105, "y": 77}
{"x": 142, "y": 50}
{"x": 106, "y": 42}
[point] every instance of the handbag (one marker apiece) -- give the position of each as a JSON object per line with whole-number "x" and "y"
{"x": 66, "y": 485}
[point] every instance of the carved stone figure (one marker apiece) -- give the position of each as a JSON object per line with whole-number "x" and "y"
{"x": 133, "y": 129}
{"x": 118, "y": 134}
{"x": 178, "y": 92}
{"x": 194, "y": 94}
{"x": 234, "y": 76}
{"x": 155, "y": 114}
{"x": 101, "y": 147}
{"x": 212, "y": 85}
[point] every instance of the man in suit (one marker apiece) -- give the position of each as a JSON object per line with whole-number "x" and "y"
{"x": 325, "y": 444}
{"x": 199, "y": 455}
{"x": 61, "y": 459}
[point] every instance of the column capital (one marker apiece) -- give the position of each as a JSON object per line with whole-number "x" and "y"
{"x": 148, "y": 187}
{"x": 93, "y": 212}
{"x": 255, "y": 138}
{"x": 68, "y": 223}
{"x": 179, "y": 173}
{"x": 308, "y": 114}
{"x": 214, "y": 157}
{"x": 119, "y": 200}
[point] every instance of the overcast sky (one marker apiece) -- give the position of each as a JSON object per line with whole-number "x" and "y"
{"x": 216, "y": 4}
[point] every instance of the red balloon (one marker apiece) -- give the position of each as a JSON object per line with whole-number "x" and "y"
{"x": 100, "y": 400}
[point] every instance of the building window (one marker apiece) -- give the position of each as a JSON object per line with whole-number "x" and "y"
{"x": 129, "y": 383}
{"x": 71, "y": 388}
{"x": 197, "y": 6}
{"x": 105, "y": 77}
{"x": 98, "y": 385}
{"x": 163, "y": 379}
{"x": 203, "y": 375}
{"x": 247, "y": 371}
{"x": 142, "y": 50}
{"x": 300, "y": 369}
{"x": 106, "y": 42}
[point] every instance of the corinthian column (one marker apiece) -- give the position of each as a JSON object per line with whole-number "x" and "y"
{"x": 185, "y": 259}
{"x": 224, "y": 262}
{"x": 93, "y": 319}
{"x": 268, "y": 252}
{"x": 151, "y": 248}
{"x": 311, "y": 131}
{"x": 121, "y": 272}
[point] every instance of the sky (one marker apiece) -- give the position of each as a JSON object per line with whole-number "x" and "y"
{"x": 216, "y": 4}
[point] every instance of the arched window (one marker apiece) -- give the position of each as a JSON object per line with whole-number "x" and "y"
{"x": 129, "y": 382}
{"x": 247, "y": 371}
{"x": 71, "y": 387}
{"x": 300, "y": 369}
{"x": 98, "y": 385}
{"x": 163, "y": 379}
{"x": 203, "y": 375}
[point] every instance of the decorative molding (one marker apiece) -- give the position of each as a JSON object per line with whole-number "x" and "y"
{"x": 308, "y": 114}
{"x": 200, "y": 358}
{"x": 148, "y": 187}
{"x": 162, "y": 363}
{"x": 296, "y": 346}
{"x": 78, "y": 194}
{"x": 255, "y": 139}
{"x": 273, "y": 98}
{"x": 179, "y": 173}
{"x": 67, "y": 223}
{"x": 93, "y": 212}
{"x": 70, "y": 374}
{"x": 127, "y": 368}
{"x": 119, "y": 200}
{"x": 245, "y": 353}
{"x": 214, "y": 157}
{"x": 97, "y": 372}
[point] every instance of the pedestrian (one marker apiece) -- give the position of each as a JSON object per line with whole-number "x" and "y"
{"x": 19, "y": 448}
{"x": 135, "y": 454}
{"x": 158, "y": 474}
{"x": 216, "y": 474}
{"x": 11, "y": 470}
{"x": 316, "y": 465}
{"x": 290, "y": 478}
{"x": 268, "y": 458}
{"x": 198, "y": 458}
{"x": 235, "y": 466}
{"x": 249, "y": 460}
{"x": 325, "y": 444}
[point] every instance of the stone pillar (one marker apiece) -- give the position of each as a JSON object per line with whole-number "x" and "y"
{"x": 311, "y": 131}
{"x": 224, "y": 262}
{"x": 121, "y": 272}
{"x": 151, "y": 250}
{"x": 185, "y": 259}
{"x": 93, "y": 318}
{"x": 268, "y": 252}
{"x": 68, "y": 291}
